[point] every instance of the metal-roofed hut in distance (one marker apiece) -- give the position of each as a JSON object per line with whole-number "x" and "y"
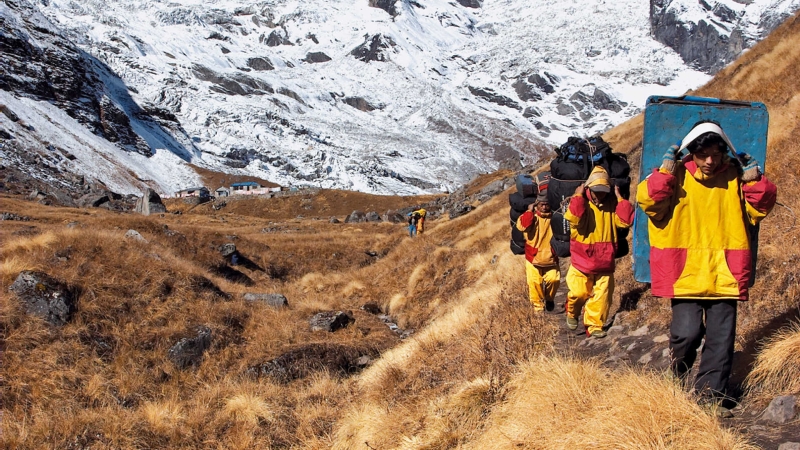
{"x": 250, "y": 188}
{"x": 222, "y": 192}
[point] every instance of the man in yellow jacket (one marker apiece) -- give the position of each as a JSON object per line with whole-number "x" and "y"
{"x": 594, "y": 216}
{"x": 701, "y": 208}
{"x": 541, "y": 264}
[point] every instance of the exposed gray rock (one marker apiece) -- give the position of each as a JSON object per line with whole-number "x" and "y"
{"x": 789, "y": 446}
{"x": 470, "y": 3}
{"x": 260, "y": 64}
{"x": 275, "y": 39}
{"x": 44, "y": 296}
{"x": 459, "y": 209}
{"x": 92, "y": 200}
{"x": 781, "y": 409}
{"x": 356, "y": 217}
{"x": 490, "y": 96}
{"x": 372, "y": 216}
{"x": 531, "y": 111}
{"x": 227, "y": 249}
{"x": 334, "y": 220}
{"x": 526, "y": 91}
{"x": 273, "y": 300}
{"x": 232, "y": 84}
{"x": 150, "y": 203}
{"x": 12, "y": 216}
{"x": 359, "y": 103}
{"x": 316, "y": 57}
{"x": 393, "y": 217}
{"x": 133, "y": 234}
{"x": 700, "y": 45}
{"x": 377, "y": 47}
{"x": 189, "y": 351}
{"x": 564, "y": 109}
{"x": 331, "y": 321}
{"x": 386, "y": 5}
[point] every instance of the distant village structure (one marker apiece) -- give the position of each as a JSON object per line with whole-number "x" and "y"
{"x": 239, "y": 188}
{"x": 201, "y": 192}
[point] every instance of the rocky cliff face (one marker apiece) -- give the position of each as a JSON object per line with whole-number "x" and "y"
{"x": 38, "y": 62}
{"x": 709, "y": 34}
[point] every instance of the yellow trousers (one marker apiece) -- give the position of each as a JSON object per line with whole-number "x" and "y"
{"x": 543, "y": 283}
{"x": 593, "y": 294}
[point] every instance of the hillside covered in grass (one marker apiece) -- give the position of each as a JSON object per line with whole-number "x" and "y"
{"x": 442, "y": 349}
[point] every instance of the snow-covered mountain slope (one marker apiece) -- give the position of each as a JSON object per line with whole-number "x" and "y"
{"x": 384, "y": 96}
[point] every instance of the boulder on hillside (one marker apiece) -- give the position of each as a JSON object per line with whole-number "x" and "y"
{"x": 317, "y": 57}
{"x": 356, "y": 217}
{"x": 360, "y": 104}
{"x": 393, "y": 217}
{"x": 92, "y": 200}
{"x": 459, "y": 209}
{"x": 471, "y": 3}
{"x": 386, "y": 5}
{"x": 374, "y": 48}
{"x": 189, "y": 351}
{"x": 260, "y": 64}
{"x": 273, "y": 300}
{"x": 150, "y": 203}
{"x": 372, "y": 216}
{"x": 135, "y": 235}
{"x": 44, "y": 296}
{"x": 331, "y": 321}
{"x": 490, "y": 95}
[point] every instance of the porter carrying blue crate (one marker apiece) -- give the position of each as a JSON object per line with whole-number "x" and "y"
{"x": 670, "y": 119}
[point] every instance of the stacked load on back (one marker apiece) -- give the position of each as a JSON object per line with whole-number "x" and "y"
{"x": 528, "y": 187}
{"x": 570, "y": 169}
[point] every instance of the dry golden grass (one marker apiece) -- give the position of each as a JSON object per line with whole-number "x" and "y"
{"x": 554, "y": 403}
{"x": 777, "y": 367}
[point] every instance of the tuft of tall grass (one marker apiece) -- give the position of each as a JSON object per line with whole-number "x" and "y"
{"x": 776, "y": 370}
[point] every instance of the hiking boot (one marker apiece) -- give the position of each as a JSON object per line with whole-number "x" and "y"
{"x": 716, "y": 409}
{"x": 572, "y": 323}
{"x": 597, "y": 334}
{"x": 549, "y": 305}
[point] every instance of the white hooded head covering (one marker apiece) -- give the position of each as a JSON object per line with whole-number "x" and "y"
{"x": 706, "y": 127}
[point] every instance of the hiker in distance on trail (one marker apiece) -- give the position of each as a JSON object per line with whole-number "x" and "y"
{"x": 413, "y": 220}
{"x": 594, "y": 215}
{"x": 541, "y": 264}
{"x": 701, "y": 211}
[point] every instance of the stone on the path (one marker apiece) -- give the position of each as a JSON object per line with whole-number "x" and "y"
{"x": 781, "y": 409}
{"x": 789, "y": 446}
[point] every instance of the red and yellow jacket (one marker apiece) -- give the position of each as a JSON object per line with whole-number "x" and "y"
{"x": 537, "y": 231}
{"x": 699, "y": 241}
{"x": 593, "y": 232}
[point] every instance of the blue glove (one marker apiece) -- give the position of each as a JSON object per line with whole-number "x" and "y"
{"x": 671, "y": 155}
{"x": 750, "y": 168}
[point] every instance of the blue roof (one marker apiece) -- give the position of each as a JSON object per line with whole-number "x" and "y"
{"x": 245, "y": 183}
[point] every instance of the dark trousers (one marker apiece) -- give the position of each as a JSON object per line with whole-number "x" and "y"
{"x": 691, "y": 321}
